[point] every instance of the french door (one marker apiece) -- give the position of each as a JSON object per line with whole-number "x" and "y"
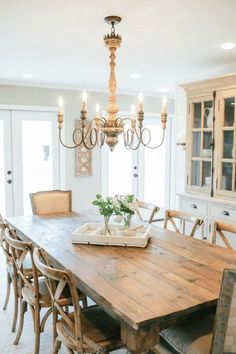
{"x": 144, "y": 172}
{"x": 29, "y": 157}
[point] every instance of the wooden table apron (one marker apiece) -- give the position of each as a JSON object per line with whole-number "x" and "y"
{"x": 142, "y": 288}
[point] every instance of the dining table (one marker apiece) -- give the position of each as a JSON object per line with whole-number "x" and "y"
{"x": 145, "y": 289}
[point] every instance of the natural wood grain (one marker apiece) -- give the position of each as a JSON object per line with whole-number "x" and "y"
{"x": 170, "y": 278}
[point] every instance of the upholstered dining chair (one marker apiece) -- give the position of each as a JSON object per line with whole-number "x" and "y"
{"x": 207, "y": 335}
{"x": 153, "y": 210}
{"x": 53, "y": 201}
{"x": 218, "y": 228}
{"x": 171, "y": 215}
{"x": 84, "y": 330}
{"x": 32, "y": 289}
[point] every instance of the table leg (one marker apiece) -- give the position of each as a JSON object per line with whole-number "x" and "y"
{"x": 139, "y": 340}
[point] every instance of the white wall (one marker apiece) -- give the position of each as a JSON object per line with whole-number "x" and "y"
{"x": 84, "y": 188}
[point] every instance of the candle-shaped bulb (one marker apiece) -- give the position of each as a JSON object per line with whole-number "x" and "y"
{"x": 133, "y": 117}
{"x": 98, "y": 111}
{"x": 140, "y": 102}
{"x": 84, "y": 100}
{"x": 133, "y": 110}
{"x": 60, "y": 105}
{"x": 164, "y": 105}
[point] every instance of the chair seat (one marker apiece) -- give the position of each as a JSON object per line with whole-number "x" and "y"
{"x": 97, "y": 325}
{"x": 45, "y": 298}
{"x": 192, "y": 337}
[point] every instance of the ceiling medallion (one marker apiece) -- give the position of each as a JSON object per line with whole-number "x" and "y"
{"x": 100, "y": 130}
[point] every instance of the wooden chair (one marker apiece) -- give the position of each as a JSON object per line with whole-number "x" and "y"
{"x": 210, "y": 334}
{"x": 147, "y": 206}
{"x": 48, "y": 202}
{"x": 11, "y": 273}
{"x": 170, "y": 215}
{"x": 32, "y": 289}
{"x": 218, "y": 228}
{"x": 88, "y": 330}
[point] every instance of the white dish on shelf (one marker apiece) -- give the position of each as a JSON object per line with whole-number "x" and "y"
{"x": 93, "y": 233}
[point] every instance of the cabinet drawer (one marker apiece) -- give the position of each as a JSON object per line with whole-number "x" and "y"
{"x": 220, "y": 212}
{"x": 194, "y": 207}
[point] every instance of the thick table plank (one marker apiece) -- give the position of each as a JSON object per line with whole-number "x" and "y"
{"x": 142, "y": 288}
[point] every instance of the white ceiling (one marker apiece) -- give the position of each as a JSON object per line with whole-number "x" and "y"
{"x": 61, "y": 42}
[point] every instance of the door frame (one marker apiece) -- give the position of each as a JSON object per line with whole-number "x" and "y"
{"x": 61, "y": 156}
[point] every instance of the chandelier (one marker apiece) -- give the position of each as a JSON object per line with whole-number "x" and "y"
{"x": 100, "y": 130}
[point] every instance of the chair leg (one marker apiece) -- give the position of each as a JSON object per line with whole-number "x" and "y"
{"x": 23, "y": 309}
{"x": 8, "y": 291}
{"x": 85, "y": 303}
{"x": 70, "y": 351}
{"x": 36, "y": 330}
{"x": 16, "y": 301}
{"x": 57, "y": 345}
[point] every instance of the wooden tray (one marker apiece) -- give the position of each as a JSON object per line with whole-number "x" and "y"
{"x": 93, "y": 233}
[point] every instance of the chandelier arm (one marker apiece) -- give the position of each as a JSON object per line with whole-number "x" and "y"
{"x": 130, "y": 145}
{"x": 74, "y": 139}
{"x": 159, "y": 145}
{"x": 66, "y": 146}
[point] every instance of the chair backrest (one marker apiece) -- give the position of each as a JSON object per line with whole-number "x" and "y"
{"x": 19, "y": 251}
{"x": 147, "y": 206}
{"x": 218, "y": 229}
{"x": 224, "y": 335}
{"x": 53, "y": 201}
{"x": 170, "y": 215}
{"x": 56, "y": 281}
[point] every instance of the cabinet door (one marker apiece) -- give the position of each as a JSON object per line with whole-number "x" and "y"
{"x": 225, "y": 144}
{"x": 200, "y": 134}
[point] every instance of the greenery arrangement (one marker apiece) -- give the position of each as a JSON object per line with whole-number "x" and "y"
{"x": 123, "y": 206}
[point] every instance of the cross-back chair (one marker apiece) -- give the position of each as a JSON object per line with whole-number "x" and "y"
{"x": 207, "y": 335}
{"x": 53, "y": 201}
{"x": 171, "y": 215}
{"x": 218, "y": 228}
{"x": 88, "y": 330}
{"x": 11, "y": 272}
{"x": 32, "y": 289}
{"x": 147, "y": 207}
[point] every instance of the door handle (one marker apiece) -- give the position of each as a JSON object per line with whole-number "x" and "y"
{"x": 9, "y": 181}
{"x": 135, "y": 175}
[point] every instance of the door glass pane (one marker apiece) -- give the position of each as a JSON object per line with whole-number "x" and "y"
{"x": 120, "y": 171}
{"x": 229, "y": 111}
{"x": 2, "y": 172}
{"x": 196, "y": 144}
{"x": 206, "y": 173}
{"x": 155, "y": 179}
{"x": 36, "y": 159}
{"x": 197, "y": 115}
{"x": 227, "y": 169}
{"x": 208, "y": 114}
{"x": 228, "y": 144}
{"x": 195, "y": 173}
{"x": 206, "y": 152}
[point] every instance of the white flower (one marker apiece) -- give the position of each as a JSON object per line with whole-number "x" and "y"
{"x": 133, "y": 206}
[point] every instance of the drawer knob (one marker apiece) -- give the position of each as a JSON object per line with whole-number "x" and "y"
{"x": 225, "y": 213}
{"x": 193, "y": 206}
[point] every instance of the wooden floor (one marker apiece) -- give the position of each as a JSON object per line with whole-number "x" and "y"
{"x": 26, "y": 344}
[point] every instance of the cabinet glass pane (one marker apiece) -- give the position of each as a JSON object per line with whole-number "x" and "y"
{"x": 208, "y": 114}
{"x": 206, "y": 152}
{"x": 228, "y": 144}
{"x": 197, "y": 115}
{"x": 206, "y": 173}
{"x": 229, "y": 112}
{"x": 195, "y": 173}
{"x": 227, "y": 170}
{"x": 196, "y": 144}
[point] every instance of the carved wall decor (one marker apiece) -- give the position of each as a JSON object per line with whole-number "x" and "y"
{"x": 83, "y": 156}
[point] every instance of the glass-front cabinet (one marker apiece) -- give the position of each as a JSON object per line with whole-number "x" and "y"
{"x": 200, "y": 138}
{"x": 226, "y": 142}
{"x": 211, "y": 142}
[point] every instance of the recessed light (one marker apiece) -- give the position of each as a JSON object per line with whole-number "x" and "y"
{"x": 27, "y": 76}
{"x": 163, "y": 89}
{"x": 134, "y": 76}
{"x": 228, "y": 45}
